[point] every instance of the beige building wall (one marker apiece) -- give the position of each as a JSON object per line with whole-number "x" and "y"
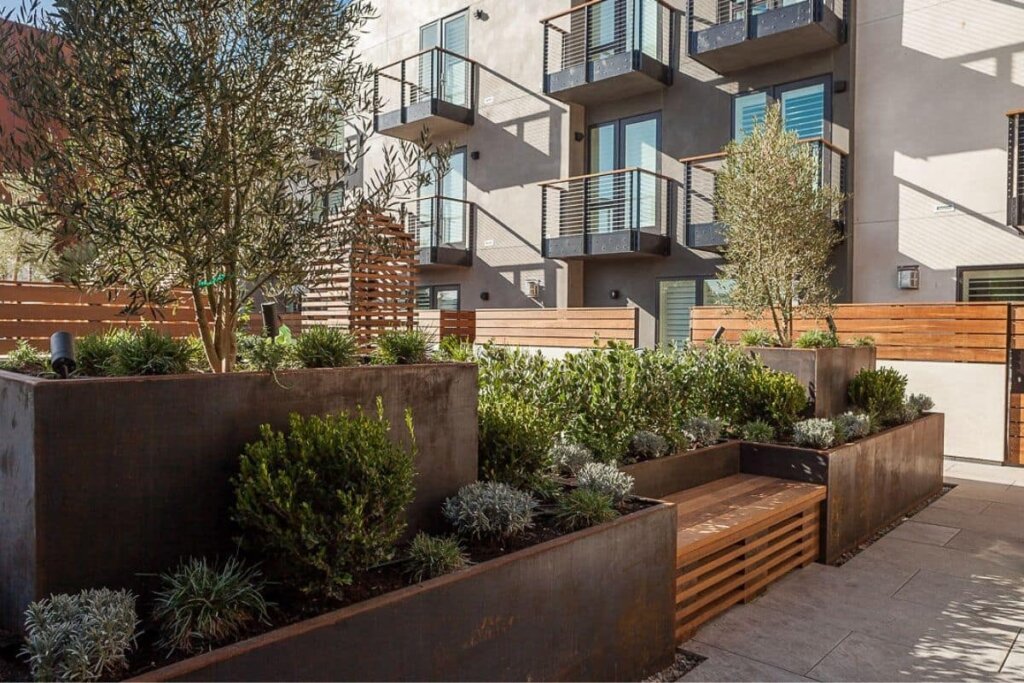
{"x": 934, "y": 81}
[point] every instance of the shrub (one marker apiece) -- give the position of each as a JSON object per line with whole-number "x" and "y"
{"x": 880, "y": 394}
{"x": 95, "y": 354}
{"x": 703, "y": 431}
{"x": 326, "y": 500}
{"x": 490, "y": 511}
{"x": 718, "y": 379}
{"x": 568, "y": 458}
{"x": 26, "y": 360}
{"x": 433, "y": 556}
{"x": 401, "y": 347}
{"x": 320, "y": 346}
{"x": 606, "y": 479}
{"x": 851, "y": 426}
{"x": 758, "y": 431}
{"x": 515, "y": 439}
{"x": 758, "y": 337}
{"x": 915, "y": 406}
{"x": 866, "y": 340}
{"x": 647, "y": 446}
{"x": 202, "y": 604}
{"x": 777, "y": 398}
{"x": 815, "y": 433}
{"x": 581, "y": 508}
{"x": 148, "y": 352}
{"x": 817, "y": 339}
{"x": 266, "y": 354}
{"x": 453, "y": 348}
{"x": 81, "y": 637}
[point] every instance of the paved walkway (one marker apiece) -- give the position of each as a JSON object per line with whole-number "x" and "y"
{"x": 941, "y": 597}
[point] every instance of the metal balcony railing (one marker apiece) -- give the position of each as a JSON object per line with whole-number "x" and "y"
{"x": 438, "y": 221}
{"x": 433, "y": 74}
{"x": 1015, "y": 171}
{"x": 604, "y": 28}
{"x": 631, "y": 200}
{"x": 703, "y": 14}
{"x": 703, "y": 229}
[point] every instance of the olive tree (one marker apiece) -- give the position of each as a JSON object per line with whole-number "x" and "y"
{"x": 192, "y": 145}
{"x": 778, "y": 221}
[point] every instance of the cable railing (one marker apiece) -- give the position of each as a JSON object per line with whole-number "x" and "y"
{"x": 1015, "y": 170}
{"x": 438, "y": 221}
{"x": 605, "y": 28}
{"x": 703, "y": 14}
{"x": 433, "y": 74}
{"x": 633, "y": 199}
{"x": 703, "y": 229}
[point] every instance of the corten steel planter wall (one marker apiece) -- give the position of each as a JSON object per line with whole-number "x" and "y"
{"x": 825, "y": 372}
{"x": 594, "y": 605}
{"x": 871, "y": 482}
{"x": 101, "y": 479}
{"x": 665, "y": 476}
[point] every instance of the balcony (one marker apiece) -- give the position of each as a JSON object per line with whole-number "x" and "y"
{"x": 444, "y": 229}
{"x": 1015, "y": 172}
{"x": 434, "y": 89}
{"x": 608, "y": 49}
{"x": 732, "y": 35}
{"x": 614, "y": 214}
{"x": 703, "y": 230}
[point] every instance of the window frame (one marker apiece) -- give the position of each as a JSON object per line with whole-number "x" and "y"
{"x": 774, "y": 96}
{"x": 699, "y": 281}
{"x": 432, "y": 291}
{"x": 620, "y": 127}
{"x": 961, "y": 270}
{"x": 439, "y": 22}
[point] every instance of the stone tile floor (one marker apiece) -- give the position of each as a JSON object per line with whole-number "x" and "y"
{"x": 941, "y": 597}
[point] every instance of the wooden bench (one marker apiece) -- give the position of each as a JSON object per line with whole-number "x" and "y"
{"x": 737, "y": 535}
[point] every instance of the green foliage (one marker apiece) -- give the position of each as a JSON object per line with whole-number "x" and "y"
{"x": 646, "y": 445}
{"x": 865, "y": 341}
{"x": 201, "y": 604}
{"x": 581, "y": 508}
{"x": 817, "y": 339}
{"x": 758, "y": 431}
{"x": 453, "y": 349}
{"x": 149, "y": 352}
{"x": 815, "y": 433}
{"x": 778, "y": 225}
{"x": 25, "y": 359}
{"x": 851, "y": 426}
{"x": 94, "y": 354}
{"x": 490, "y": 511}
{"x": 777, "y": 398}
{"x": 758, "y": 337}
{"x": 320, "y": 346}
{"x": 433, "y": 556}
{"x": 606, "y": 479}
{"x": 569, "y": 458}
{"x": 515, "y": 439}
{"x": 260, "y": 353}
{"x": 718, "y": 378}
{"x": 880, "y": 394}
{"x": 327, "y": 499}
{"x": 915, "y": 406}
{"x": 401, "y": 347}
{"x": 81, "y": 637}
{"x": 703, "y": 431}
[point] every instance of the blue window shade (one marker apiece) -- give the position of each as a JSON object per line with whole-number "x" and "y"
{"x": 803, "y": 110}
{"x": 748, "y": 111}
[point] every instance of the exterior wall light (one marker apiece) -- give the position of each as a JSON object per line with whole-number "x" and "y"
{"x": 485, "y": 296}
{"x": 719, "y": 333}
{"x": 613, "y": 294}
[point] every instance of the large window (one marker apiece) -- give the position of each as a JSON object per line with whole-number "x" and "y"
{"x": 451, "y": 34}
{"x": 440, "y": 297}
{"x": 676, "y": 300}
{"x": 991, "y": 283}
{"x": 613, "y": 203}
{"x": 806, "y": 108}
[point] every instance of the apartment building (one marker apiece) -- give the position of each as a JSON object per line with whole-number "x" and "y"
{"x": 587, "y": 135}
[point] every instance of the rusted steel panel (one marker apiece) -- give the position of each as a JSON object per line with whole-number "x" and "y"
{"x": 682, "y": 471}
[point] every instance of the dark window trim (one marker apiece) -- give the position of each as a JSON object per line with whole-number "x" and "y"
{"x": 774, "y": 93}
{"x": 698, "y": 296}
{"x": 440, "y": 27}
{"x": 960, "y": 270}
{"x": 434, "y": 289}
{"x": 620, "y": 125}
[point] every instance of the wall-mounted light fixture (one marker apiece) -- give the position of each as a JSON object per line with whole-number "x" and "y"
{"x": 62, "y": 353}
{"x": 481, "y": 15}
{"x": 908, "y": 277}
{"x": 269, "y": 310}
{"x": 578, "y": 136}
{"x": 474, "y": 155}
{"x": 485, "y": 296}
{"x": 613, "y": 294}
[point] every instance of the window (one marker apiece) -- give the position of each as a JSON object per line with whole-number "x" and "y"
{"x": 439, "y": 297}
{"x": 990, "y": 283}
{"x": 613, "y": 202}
{"x": 676, "y": 299}
{"x": 451, "y": 34}
{"x": 805, "y": 108}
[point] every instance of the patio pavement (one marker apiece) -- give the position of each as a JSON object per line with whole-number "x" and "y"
{"x": 941, "y": 597}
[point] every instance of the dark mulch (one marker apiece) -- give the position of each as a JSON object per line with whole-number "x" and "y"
{"x": 846, "y": 557}
{"x": 11, "y": 666}
{"x": 684, "y": 664}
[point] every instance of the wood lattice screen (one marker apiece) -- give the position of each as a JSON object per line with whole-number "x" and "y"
{"x": 371, "y": 288}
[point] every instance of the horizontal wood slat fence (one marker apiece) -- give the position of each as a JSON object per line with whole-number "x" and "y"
{"x": 440, "y": 324}
{"x": 959, "y": 332}
{"x": 573, "y": 328}
{"x": 1015, "y": 445}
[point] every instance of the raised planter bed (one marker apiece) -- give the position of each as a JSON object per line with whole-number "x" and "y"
{"x": 871, "y": 482}
{"x": 825, "y": 372}
{"x": 593, "y": 605}
{"x": 664, "y": 476}
{"x": 104, "y": 479}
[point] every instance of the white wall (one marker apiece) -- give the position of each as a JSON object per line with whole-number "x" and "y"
{"x": 973, "y": 397}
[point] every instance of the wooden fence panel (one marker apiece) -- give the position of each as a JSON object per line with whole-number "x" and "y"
{"x": 574, "y": 328}
{"x": 441, "y": 324}
{"x": 961, "y": 332}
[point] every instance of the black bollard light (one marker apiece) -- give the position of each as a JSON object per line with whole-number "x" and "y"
{"x": 269, "y": 309}
{"x": 830, "y": 321}
{"x": 719, "y": 333}
{"x": 62, "y": 353}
